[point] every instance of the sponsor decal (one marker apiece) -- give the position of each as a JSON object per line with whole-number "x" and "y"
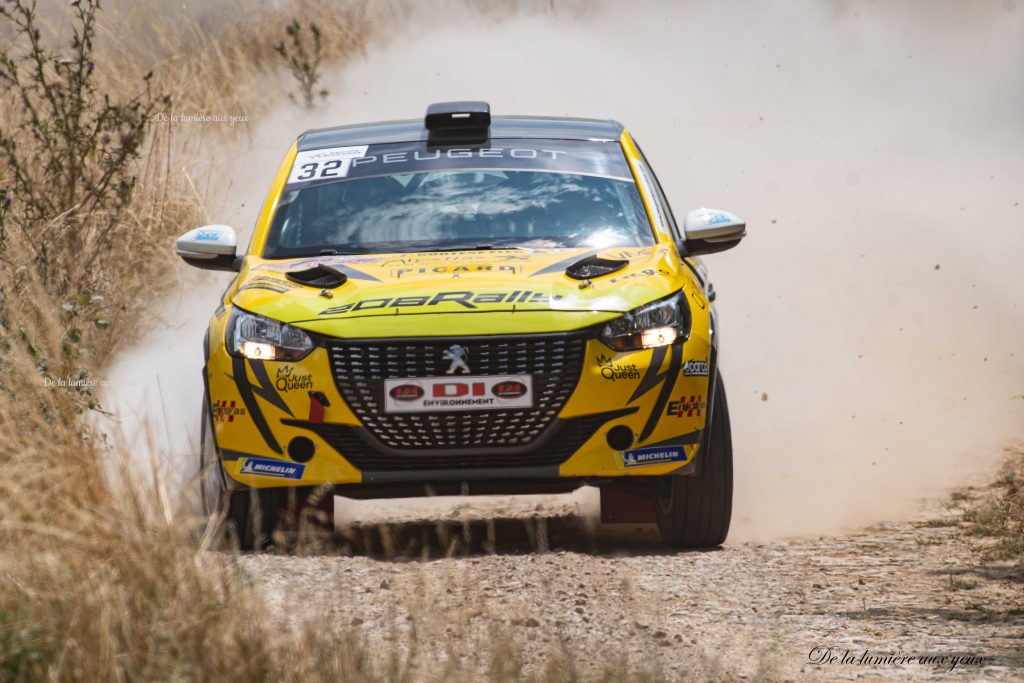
{"x": 653, "y": 455}
{"x": 225, "y": 411}
{"x": 611, "y": 370}
{"x": 271, "y": 284}
{"x": 635, "y": 252}
{"x": 324, "y": 164}
{"x": 510, "y": 389}
{"x": 207, "y": 235}
{"x": 457, "y": 270}
{"x": 289, "y": 380}
{"x": 695, "y": 368}
{"x": 717, "y": 219}
{"x": 406, "y": 392}
{"x": 309, "y": 262}
{"x": 457, "y": 355}
{"x": 566, "y": 156}
{"x": 637, "y": 273}
{"x": 277, "y": 469}
{"x": 466, "y": 299}
{"x": 660, "y": 222}
{"x": 480, "y": 153}
{"x": 419, "y": 258}
{"x": 445, "y": 394}
{"x": 686, "y": 407}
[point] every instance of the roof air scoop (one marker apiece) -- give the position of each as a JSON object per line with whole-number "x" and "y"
{"x": 321, "y": 275}
{"x": 594, "y": 266}
{"x": 458, "y": 121}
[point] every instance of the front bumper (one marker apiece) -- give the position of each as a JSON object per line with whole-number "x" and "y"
{"x": 321, "y": 420}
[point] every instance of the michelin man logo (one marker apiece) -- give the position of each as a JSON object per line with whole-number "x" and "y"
{"x": 457, "y": 355}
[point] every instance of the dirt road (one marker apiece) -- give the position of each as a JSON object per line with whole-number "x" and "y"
{"x": 525, "y": 587}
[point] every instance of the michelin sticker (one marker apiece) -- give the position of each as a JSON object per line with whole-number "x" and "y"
{"x": 324, "y": 164}
{"x": 278, "y": 469}
{"x": 653, "y": 455}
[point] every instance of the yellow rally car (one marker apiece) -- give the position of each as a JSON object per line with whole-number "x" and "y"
{"x": 466, "y": 304}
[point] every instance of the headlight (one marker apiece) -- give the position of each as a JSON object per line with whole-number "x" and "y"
{"x": 656, "y": 324}
{"x": 254, "y": 336}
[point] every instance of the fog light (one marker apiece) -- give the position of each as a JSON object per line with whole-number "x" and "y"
{"x": 300, "y": 449}
{"x": 619, "y": 438}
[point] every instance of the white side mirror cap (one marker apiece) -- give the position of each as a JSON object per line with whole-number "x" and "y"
{"x": 211, "y": 247}
{"x": 713, "y": 225}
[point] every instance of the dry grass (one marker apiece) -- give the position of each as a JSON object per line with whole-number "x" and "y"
{"x": 999, "y": 514}
{"x": 104, "y": 578}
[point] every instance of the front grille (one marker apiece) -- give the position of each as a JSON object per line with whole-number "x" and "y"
{"x": 554, "y": 361}
{"x": 352, "y": 444}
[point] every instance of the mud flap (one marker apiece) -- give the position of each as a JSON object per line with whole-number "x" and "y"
{"x": 622, "y": 507}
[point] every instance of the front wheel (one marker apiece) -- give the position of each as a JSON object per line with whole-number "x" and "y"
{"x": 695, "y": 511}
{"x": 211, "y": 475}
{"x": 251, "y": 516}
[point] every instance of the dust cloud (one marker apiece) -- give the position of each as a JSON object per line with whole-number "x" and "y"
{"x": 870, "y": 320}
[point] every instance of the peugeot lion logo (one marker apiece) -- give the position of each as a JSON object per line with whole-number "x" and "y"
{"x": 457, "y": 355}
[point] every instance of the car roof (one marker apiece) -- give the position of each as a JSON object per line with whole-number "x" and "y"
{"x": 502, "y": 127}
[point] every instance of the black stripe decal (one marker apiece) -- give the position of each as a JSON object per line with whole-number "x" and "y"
{"x": 353, "y": 273}
{"x": 266, "y": 389}
{"x": 652, "y": 378}
{"x": 245, "y": 389}
{"x": 675, "y": 362}
{"x": 565, "y": 263}
{"x": 231, "y": 456}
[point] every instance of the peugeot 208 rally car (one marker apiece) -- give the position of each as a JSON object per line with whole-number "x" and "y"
{"x": 466, "y": 304}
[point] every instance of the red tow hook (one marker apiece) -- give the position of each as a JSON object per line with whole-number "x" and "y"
{"x": 317, "y": 403}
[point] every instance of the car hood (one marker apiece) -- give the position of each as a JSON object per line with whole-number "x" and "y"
{"x": 491, "y": 281}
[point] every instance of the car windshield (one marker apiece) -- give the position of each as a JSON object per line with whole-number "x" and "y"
{"x": 481, "y": 202}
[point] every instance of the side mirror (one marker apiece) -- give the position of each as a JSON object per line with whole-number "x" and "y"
{"x": 211, "y": 247}
{"x": 706, "y": 231}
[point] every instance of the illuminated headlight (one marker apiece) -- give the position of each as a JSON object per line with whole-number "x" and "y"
{"x": 254, "y": 336}
{"x": 657, "y": 324}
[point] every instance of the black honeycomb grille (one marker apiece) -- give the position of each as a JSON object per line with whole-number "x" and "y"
{"x": 348, "y": 441}
{"x": 554, "y": 362}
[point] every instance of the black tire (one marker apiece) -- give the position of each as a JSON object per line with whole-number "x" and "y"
{"x": 696, "y": 510}
{"x": 253, "y": 516}
{"x": 302, "y": 514}
{"x": 212, "y": 486}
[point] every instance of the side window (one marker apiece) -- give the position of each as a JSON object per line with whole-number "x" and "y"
{"x": 661, "y": 193}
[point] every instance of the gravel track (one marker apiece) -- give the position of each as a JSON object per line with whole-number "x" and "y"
{"x": 469, "y": 585}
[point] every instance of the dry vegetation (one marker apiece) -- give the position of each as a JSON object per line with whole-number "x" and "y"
{"x": 103, "y": 578}
{"x": 998, "y": 515}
